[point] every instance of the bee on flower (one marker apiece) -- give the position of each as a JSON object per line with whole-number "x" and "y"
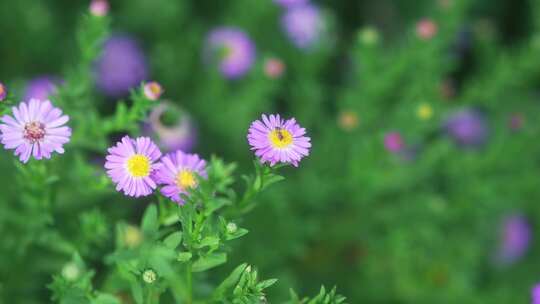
{"x": 276, "y": 140}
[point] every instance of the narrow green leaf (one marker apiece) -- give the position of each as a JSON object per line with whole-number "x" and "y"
{"x": 266, "y": 283}
{"x": 173, "y": 240}
{"x": 209, "y": 261}
{"x": 136, "y": 292}
{"x": 150, "y": 220}
{"x": 229, "y": 282}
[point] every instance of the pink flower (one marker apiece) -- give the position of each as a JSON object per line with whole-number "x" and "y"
{"x": 179, "y": 172}
{"x": 274, "y": 67}
{"x": 36, "y": 129}
{"x": 3, "y": 91}
{"x": 426, "y": 29}
{"x": 153, "y": 90}
{"x": 393, "y": 142}
{"x": 99, "y": 8}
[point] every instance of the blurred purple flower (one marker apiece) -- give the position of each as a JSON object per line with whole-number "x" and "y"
{"x": 515, "y": 237}
{"x": 467, "y": 128}
{"x": 289, "y": 3}
{"x": 535, "y": 294}
{"x": 178, "y": 135}
{"x": 41, "y": 88}
{"x": 304, "y": 25}
{"x": 232, "y": 49}
{"x": 122, "y": 66}
{"x": 516, "y": 121}
{"x": 393, "y": 142}
{"x": 99, "y": 8}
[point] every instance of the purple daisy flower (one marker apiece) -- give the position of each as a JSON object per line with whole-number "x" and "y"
{"x": 131, "y": 165}
{"x": 276, "y": 140}
{"x": 179, "y": 172}
{"x": 304, "y": 25}
{"x": 121, "y": 66}
{"x": 36, "y": 129}
{"x": 515, "y": 239}
{"x": 41, "y": 88}
{"x": 289, "y": 3}
{"x": 467, "y": 128}
{"x": 178, "y": 134}
{"x": 232, "y": 49}
{"x": 535, "y": 294}
{"x": 3, "y": 91}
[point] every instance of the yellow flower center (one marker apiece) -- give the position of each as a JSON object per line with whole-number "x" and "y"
{"x": 138, "y": 165}
{"x": 155, "y": 88}
{"x": 424, "y": 112}
{"x": 186, "y": 179}
{"x": 280, "y": 138}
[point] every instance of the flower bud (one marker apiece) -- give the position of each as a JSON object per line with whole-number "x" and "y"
{"x": 231, "y": 227}
{"x": 149, "y": 276}
{"x": 153, "y": 90}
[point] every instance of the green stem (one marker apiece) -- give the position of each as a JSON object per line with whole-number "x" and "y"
{"x": 189, "y": 283}
{"x": 150, "y": 296}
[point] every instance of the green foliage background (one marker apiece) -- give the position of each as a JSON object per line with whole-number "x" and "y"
{"x": 353, "y": 215}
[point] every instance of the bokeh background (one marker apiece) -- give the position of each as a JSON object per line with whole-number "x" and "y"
{"x": 422, "y": 185}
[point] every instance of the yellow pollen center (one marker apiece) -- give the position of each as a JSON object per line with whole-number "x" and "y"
{"x": 138, "y": 165}
{"x": 186, "y": 179}
{"x": 155, "y": 88}
{"x": 280, "y": 138}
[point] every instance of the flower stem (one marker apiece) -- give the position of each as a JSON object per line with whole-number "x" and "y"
{"x": 189, "y": 283}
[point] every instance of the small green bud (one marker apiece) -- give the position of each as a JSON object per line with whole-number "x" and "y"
{"x": 71, "y": 271}
{"x": 369, "y": 36}
{"x": 149, "y": 276}
{"x": 231, "y": 227}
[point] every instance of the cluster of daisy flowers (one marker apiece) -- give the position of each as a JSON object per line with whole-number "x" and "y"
{"x": 137, "y": 167}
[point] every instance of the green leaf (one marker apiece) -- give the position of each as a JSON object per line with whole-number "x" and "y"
{"x": 229, "y": 282}
{"x": 173, "y": 240}
{"x": 137, "y": 292}
{"x": 271, "y": 179}
{"x": 239, "y": 233}
{"x": 184, "y": 256}
{"x": 106, "y": 299}
{"x": 209, "y": 241}
{"x": 150, "y": 220}
{"x": 209, "y": 261}
{"x": 266, "y": 283}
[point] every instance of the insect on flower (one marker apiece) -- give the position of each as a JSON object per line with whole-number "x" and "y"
{"x": 276, "y": 140}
